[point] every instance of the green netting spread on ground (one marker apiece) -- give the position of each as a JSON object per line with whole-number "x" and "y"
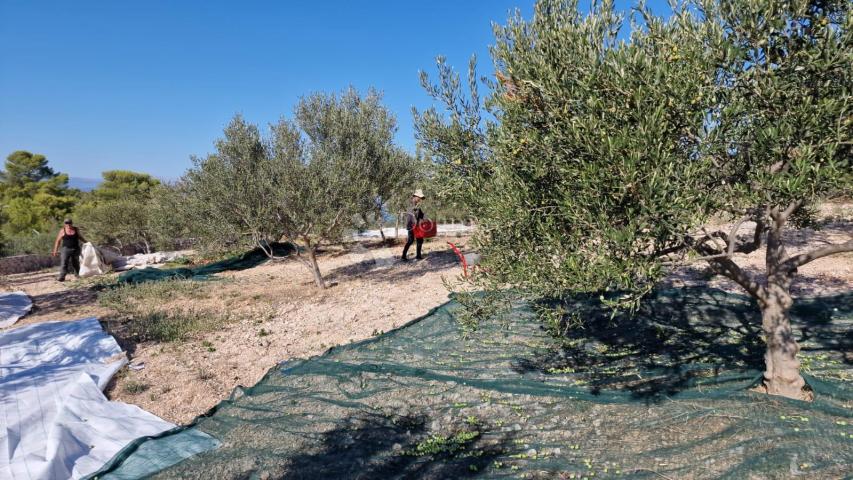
{"x": 664, "y": 396}
{"x": 247, "y": 260}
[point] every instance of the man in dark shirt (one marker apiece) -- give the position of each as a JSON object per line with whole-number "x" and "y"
{"x": 71, "y": 240}
{"x": 414, "y": 216}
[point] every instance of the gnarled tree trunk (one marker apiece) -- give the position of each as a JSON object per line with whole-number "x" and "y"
{"x": 782, "y": 368}
{"x": 782, "y": 373}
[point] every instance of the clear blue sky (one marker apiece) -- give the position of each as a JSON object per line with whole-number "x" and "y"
{"x": 142, "y": 85}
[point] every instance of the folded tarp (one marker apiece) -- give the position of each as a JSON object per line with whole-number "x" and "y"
{"x": 13, "y": 305}
{"x": 55, "y": 422}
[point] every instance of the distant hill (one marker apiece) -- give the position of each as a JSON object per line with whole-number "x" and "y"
{"x": 85, "y": 184}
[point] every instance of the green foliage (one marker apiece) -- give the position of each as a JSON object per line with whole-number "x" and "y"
{"x": 346, "y": 166}
{"x": 454, "y": 140}
{"x": 394, "y": 177}
{"x": 783, "y": 117}
{"x": 444, "y": 444}
{"x": 313, "y": 179}
{"x": 34, "y": 243}
{"x": 121, "y": 184}
{"x": 24, "y": 170}
{"x": 604, "y": 155}
{"x": 33, "y": 199}
{"x": 117, "y": 212}
{"x": 135, "y": 387}
{"x": 171, "y": 217}
{"x": 231, "y": 198}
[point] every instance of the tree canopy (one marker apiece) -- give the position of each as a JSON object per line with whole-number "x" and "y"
{"x": 117, "y": 212}
{"x": 34, "y": 197}
{"x": 312, "y": 179}
{"x": 609, "y": 161}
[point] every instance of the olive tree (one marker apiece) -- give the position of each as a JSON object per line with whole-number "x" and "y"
{"x": 609, "y": 161}
{"x": 233, "y": 197}
{"x": 393, "y": 176}
{"x": 331, "y": 153}
{"x": 172, "y": 216}
{"x": 117, "y": 211}
{"x": 309, "y": 181}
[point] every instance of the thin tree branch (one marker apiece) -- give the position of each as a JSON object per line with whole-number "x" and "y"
{"x": 732, "y": 240}
{"x": 729, "y": 269}
{"x": 804, "y": 258}
{"x": 713, "y": 237}
{"x": 791, "y": 209}
{"x": 725, "y": 266}
{"x": 756, "y": 237}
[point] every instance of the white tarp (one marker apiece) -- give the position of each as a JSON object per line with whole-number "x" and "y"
{"x": 91, "y": 261}
{"x": 13, "y": 305}
{"x": 143, "y": 260}
{"x": 443, "y": 229}
{"x": 55, "y": 422}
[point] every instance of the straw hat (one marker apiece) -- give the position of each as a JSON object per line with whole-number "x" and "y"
{"x": 419, "y": 193}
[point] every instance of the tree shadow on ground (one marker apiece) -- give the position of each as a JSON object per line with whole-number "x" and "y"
{"x": 811, "y": 238}
{"x": 63, "y": 300}
{"x": 678, "y": 337}
{"x": 122, "y": 333}
{"x": 375, "y": 446}
{"x": 394, "y": 270}
{"x": 819, "y": 323}
{"x": 804, "y": 285}
{"x": 17, "y": 280}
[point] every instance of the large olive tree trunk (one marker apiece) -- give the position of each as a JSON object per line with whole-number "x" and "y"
{"x": 782, "y": 373}
{"x": 782, "y": 368}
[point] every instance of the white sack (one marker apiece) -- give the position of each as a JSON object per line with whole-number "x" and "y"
{"x": 54, "y": 421}
{"x": 91, "y": 261}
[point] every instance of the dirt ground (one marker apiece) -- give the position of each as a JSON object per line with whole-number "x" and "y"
{"x": 825, "y": 276}
{"x": 276, "y": 313}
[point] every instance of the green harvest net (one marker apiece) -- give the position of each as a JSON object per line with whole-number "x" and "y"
{"x": 245, "y": 261}
{"x": 665, "y": 396}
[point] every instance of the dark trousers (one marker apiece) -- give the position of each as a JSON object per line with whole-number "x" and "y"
{"x": 69, "y": 262}
{"x": 410, "y": 241}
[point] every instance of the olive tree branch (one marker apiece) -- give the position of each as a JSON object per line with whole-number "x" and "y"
{"x": 804, "y": 258}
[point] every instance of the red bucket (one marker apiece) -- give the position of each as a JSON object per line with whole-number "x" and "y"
{"x": 425, "y": 229}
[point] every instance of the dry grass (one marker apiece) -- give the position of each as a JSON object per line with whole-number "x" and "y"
{"x": 148, "y": 311}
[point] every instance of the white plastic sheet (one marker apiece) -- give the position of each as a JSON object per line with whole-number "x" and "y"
{"x": 55, "y": 422}
{"x": 142, "y": 260}
{"x": 443, "y": 229}
{"x": 13, "y": 305}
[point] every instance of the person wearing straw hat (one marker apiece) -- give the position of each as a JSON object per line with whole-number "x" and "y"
{"x": 413, "y": 217}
